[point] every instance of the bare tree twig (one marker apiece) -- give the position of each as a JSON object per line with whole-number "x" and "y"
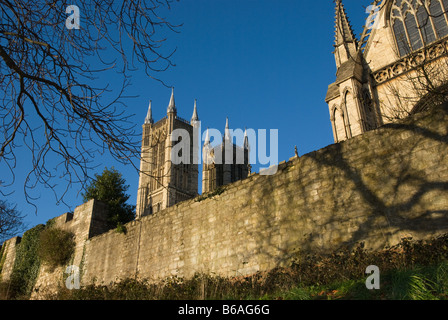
{"x": 52, "y": 99}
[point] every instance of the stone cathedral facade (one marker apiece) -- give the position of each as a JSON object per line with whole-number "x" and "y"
{"x": 225, "y": 163}
{"x": 163, "y": 183}
{"x": 395, "y": 69}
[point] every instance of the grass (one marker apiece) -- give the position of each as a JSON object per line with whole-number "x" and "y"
{"x": 419, "y": 283}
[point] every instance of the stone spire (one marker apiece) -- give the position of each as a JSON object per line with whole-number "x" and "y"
{"x": 206, "y": 156}
{"x": 346, "y": 44}
{"x": 246, "y": 140}
{"x": 344, "y": 31}
{"x": 247, "y": 149}
{"x": 195, "y": 117}
{"x": 207, "y": 138}
{"x": 227, "y": 131}
{"x": 172, "y": 105}
{"x": 149, "y": 119}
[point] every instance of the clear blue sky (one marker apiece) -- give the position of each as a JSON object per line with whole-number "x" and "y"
{"x": 265, "y": 64}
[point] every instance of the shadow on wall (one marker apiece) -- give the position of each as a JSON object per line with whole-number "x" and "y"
{"x": 377, "y": 188}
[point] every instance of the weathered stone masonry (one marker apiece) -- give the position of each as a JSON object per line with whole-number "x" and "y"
{"x": 378, "y": 188}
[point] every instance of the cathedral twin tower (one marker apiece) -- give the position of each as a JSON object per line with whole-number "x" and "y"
{"x": 164, "y": 182}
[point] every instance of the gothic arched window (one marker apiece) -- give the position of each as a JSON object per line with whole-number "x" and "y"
{"x": 339, "y": 125}
{"x": 418, "y": 22}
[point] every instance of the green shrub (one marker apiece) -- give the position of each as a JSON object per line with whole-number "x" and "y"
{"x": 217, "y": 192}
{"x": 121, "y": 228}
{"x": 111, "y": 188}
{"x": 56, "y": 247}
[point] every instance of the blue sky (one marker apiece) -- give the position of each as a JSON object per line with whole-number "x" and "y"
{"x": 265, "y": 64}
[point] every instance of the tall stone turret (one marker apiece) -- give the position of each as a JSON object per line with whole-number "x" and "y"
{"x": 225, "y": 163}
{"x": 162, "y": 183}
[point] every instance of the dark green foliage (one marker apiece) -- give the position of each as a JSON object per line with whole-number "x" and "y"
{"x": 217, "y": 192}
{"x": 121, "y": 228}
{"x": 56, "y": 246}
{"x": 348, "y": 264}
{"x": 27, "y": 264}
{"x": 110, "y": 187}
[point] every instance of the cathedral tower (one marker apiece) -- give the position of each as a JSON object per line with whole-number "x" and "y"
{"x": 162, "y": 184}
{"x": 225, "y": 163}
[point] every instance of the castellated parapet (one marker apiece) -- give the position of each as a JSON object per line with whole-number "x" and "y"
{"x": 376, "y": 188}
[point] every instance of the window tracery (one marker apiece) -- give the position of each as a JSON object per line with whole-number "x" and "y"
{"x": 417, "y": 23}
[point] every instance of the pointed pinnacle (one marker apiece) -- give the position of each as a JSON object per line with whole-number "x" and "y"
{"x": 246, "y": 140}
{"x": 343, "y": 29}
{"x": 172, "y": 105}
{"x": 227, "y": 131}
{"x": 195, "y": 116}
{"x": 149, "y": 119}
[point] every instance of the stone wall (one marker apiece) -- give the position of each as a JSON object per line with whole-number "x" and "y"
{"x": 87, "y": 221}
{"x": 377, "y": 188}
{"x": 8, "y": 258}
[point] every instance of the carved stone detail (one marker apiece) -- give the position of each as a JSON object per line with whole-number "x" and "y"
{"x": 411, "y": 61}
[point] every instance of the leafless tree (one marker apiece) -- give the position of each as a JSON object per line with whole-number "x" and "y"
{"x": 52, "y": 99}
{"x": 11, "y": 221}
{"x": 423, "y": 86}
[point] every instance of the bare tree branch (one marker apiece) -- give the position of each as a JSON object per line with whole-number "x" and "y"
{"x": 11, "y": 221}
{"x": 52, "y": 100}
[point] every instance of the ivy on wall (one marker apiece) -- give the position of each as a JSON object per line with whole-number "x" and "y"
{"x": 27, "y": 263}
{"x": 41, "y": 245}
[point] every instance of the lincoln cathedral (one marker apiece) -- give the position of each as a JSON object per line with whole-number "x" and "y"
{"x": 396, "y": 68}
{"x": 384, "y": 180}
{"x": 163, "y": 183}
